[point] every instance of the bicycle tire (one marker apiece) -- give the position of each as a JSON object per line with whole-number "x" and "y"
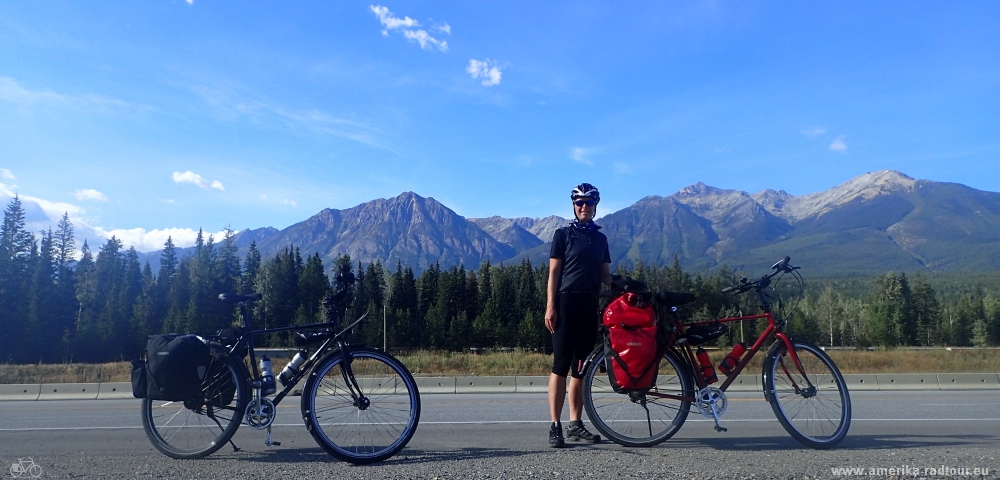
{"x": 199, "y": 428}
{"x": 818, "y": 416}
{"x": 352, "y": 432}
{"x": 626, "y": 418}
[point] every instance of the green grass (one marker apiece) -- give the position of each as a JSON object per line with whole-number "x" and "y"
{"x": 429, "y": 363}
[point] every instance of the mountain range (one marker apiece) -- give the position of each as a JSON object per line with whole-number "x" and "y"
{"x": 874, "y": 223}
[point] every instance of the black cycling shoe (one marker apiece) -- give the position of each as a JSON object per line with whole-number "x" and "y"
{"x": 579, "y": 433}
{"x": 556, "y": 436}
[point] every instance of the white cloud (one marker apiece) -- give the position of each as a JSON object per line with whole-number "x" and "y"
{"x": 425, "y": 39}
{"x": 41, "y": 214}
{"x": 91, "y": 194}
{"x": 289, "y": 202}
{"x": 838, "y": 145}
{"x": 189, "y": 2}
{"x": 487, "y": 69}
{"x": 6, "y": 174}
{"x": 152, "y": 240}
{"x": 390, "y": 21}
{"x": 408, "y": 26}
{"x": 195, "y": 179}
{"x": 622, "y": 168}
{"x": 813, "y": 132}
{"x": 581, "y": 155}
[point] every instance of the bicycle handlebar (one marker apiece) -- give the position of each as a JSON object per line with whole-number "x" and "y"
{"x": 781, "y": 266}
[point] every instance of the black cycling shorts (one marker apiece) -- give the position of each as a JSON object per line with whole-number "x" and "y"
{"x": 576, "y": 332}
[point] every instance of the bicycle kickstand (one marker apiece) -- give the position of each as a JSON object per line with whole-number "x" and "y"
{"x": 715, "y": 415}
{"x": 270, "y": 442}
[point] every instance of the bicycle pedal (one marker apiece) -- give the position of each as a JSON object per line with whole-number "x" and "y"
{"x": 721, "y": 429}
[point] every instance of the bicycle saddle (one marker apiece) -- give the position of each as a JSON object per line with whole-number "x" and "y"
{"x": 673, "y": 299}
{"x": 234, "y": 298}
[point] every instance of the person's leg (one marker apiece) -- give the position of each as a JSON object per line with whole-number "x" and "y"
{"x": 557, "y": 396}
{"x": 575, "y": 398}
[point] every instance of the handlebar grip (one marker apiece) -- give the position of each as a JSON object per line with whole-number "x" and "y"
{"x": 781, "y": 264}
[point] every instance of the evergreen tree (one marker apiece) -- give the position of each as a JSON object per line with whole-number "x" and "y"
{"x": 16, "y": 246}
{"x": 250, "y": 268}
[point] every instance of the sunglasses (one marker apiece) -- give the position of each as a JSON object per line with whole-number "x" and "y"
{"x": 580, "y": 203}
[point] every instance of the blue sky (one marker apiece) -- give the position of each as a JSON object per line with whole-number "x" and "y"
{"x": 147, "y": 119}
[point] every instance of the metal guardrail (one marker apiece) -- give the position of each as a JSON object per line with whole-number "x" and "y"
{"x": 529, "y": 384}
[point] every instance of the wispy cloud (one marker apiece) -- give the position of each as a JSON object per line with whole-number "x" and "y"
{"x": 622, "y": 168}
{"x": 489, "y": 70}
{"x": 838, "y": 145}
{"x": 12, "y": 92}
{"x": 813, "y": 132}
{"x": 91, "y": 194}
{"x": 195, "y": 179}
{"x": 289, "y": 202}
{"x": 409, "y": 28}
{"x": 581, "y": 155}
{"x": 6, "y": 174}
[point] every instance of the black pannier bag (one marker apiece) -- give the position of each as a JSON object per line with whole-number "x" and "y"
{"x": 139, "y": 378}
{"x": 175, "y": 366}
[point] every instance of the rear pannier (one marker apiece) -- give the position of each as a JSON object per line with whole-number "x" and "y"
{"x": 635, "y": 355}
{"x": 175, "y": 366}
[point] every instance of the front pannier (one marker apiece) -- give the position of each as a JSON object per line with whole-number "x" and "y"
{"x": 176, "y": 365}
{"x": 635, "y": 355}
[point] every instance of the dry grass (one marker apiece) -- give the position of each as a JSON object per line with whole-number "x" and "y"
{"x": 66, "y": 373}
{"x": 425, "y": 363}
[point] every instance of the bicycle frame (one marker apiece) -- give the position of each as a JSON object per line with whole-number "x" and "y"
{"x": 771, "y": 332}
{"x": 327, "y": 347}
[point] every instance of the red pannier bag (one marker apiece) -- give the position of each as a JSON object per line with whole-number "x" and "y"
{"x": 634, "y": 359}
{"x": 629, "y": 310}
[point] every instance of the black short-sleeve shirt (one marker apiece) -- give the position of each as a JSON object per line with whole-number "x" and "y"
{"x": 582, "y": 252}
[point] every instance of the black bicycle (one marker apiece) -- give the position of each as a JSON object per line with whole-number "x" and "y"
{"x": 360, "y": 404}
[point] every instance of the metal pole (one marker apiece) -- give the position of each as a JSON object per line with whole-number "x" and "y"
{"x": 383, "y": 328}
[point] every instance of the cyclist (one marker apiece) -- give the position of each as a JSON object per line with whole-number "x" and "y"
{"x": 578, "y": 263}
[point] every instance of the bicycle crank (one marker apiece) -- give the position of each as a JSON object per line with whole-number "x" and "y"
{"x": 260, "y": 413}
{"x": 711, "y": 402}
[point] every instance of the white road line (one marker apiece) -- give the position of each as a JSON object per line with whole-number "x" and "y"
{"x": 513, "y": 422}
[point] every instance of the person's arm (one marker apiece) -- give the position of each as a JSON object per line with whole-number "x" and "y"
{"x": 555, "y": 269}
{"x": 606, "y": 274}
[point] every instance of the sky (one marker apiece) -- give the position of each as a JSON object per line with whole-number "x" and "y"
{"x": 151, "y": 119}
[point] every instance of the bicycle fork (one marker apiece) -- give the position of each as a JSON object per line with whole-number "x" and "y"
{"x": 357, "y": 396}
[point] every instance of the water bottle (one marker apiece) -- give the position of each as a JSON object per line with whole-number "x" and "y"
{"x": 266, "y": 377}
{"x": 292, "y": 368}
{"x": 731, "y": 360}
{"x": 707, "y": 370}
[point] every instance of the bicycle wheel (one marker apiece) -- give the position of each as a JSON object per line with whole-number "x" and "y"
{"x": 638, "y": 419}
{"x": 815, "y": 409}
{"x": 367, "y": 424}
{"x": 196, "y": 428}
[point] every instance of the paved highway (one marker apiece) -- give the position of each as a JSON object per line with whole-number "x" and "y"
{"x": 505, "y": 435}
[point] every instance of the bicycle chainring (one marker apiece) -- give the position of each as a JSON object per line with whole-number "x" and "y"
{"x": 260, "y": 415}
{"x": 708, "y": 396}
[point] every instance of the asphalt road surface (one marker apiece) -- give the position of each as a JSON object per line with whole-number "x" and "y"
{"x": 505, "y": 436}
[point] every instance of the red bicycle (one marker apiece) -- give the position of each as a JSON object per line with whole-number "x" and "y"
{"x": 800, "y": 381}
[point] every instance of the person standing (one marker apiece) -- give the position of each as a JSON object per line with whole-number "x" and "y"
{"x": 579, "y": 263}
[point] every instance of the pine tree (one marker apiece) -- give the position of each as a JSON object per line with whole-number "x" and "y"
{"x": 16, "y": 246}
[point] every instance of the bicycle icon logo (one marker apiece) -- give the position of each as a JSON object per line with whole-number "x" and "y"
{"x": 22, "y": 468}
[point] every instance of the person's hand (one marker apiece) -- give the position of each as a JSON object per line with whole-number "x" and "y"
{"x": 550, "y": 319}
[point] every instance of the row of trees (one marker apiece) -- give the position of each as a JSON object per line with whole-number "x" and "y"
{"x": 104, "y": 305}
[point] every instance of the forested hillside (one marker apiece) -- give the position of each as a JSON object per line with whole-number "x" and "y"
{"x": 102, "y": 306}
